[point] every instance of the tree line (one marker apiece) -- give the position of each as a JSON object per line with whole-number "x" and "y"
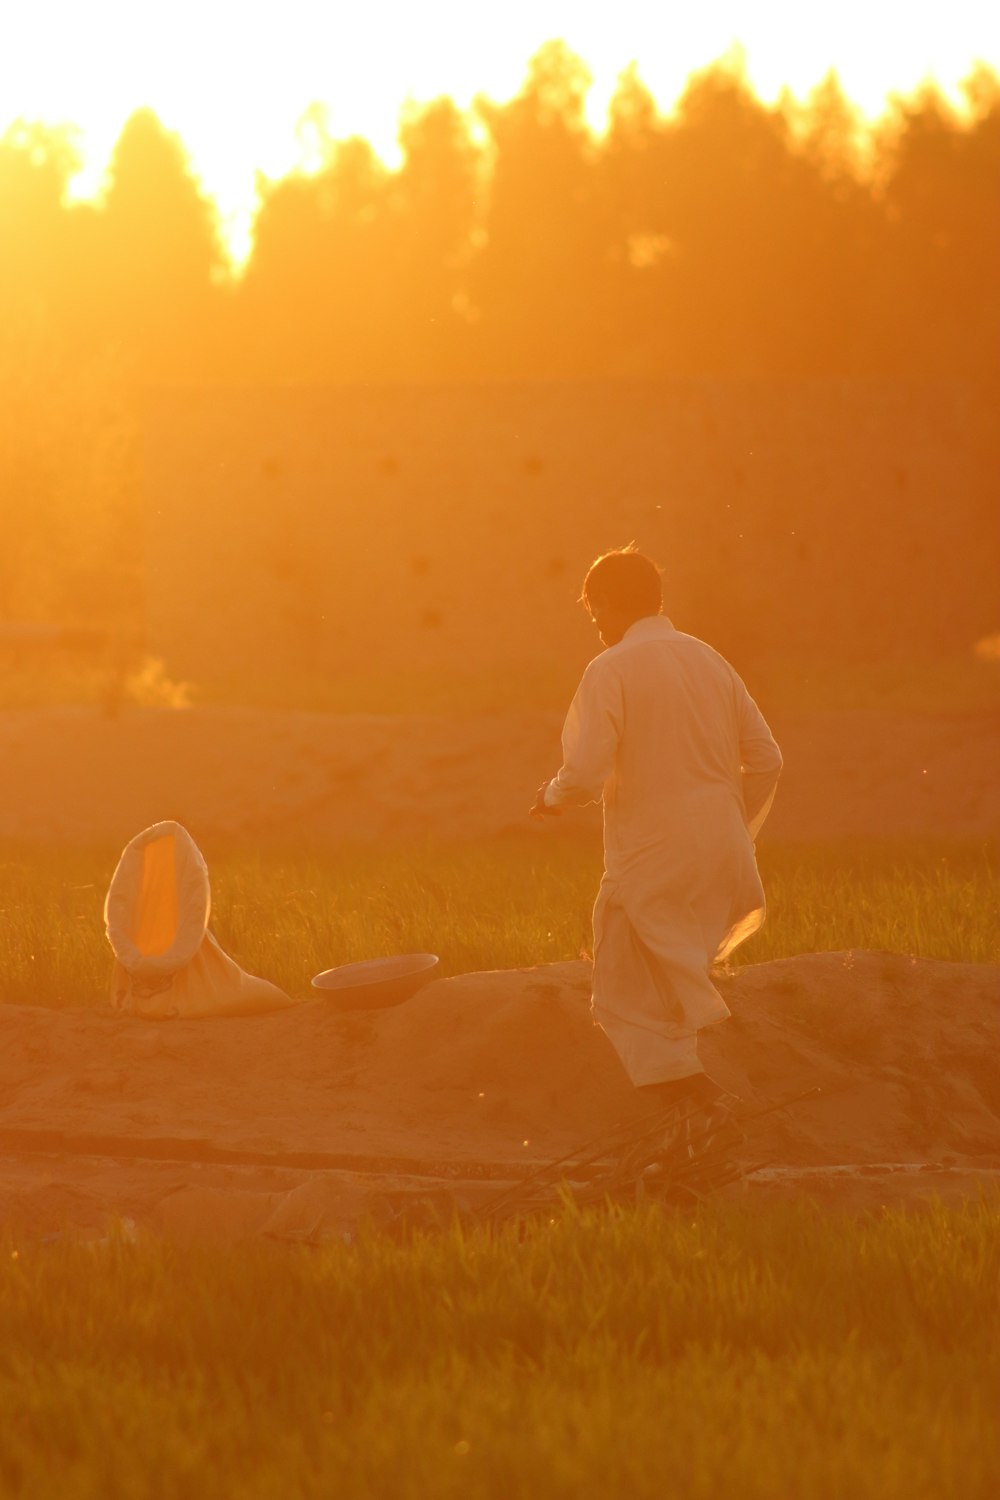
{"x": 729, "y": 238}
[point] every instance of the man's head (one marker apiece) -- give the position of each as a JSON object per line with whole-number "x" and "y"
{"x": 621, "y": 587}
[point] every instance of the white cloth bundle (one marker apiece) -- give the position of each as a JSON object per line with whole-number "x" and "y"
{"x": 167, "y": 963}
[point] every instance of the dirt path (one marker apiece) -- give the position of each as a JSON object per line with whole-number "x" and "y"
{"x": 71, "y": 776}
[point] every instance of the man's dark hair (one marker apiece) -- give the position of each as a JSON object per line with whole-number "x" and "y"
{"x": 625, "y": 579}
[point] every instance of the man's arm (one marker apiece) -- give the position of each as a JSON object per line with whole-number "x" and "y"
{"x": 760, "y": 761}
{"x": 589, "y": 741}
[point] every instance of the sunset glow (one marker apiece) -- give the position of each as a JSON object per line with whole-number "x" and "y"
{"x": 499, "y": 718}
{"x": 235, "y": 81}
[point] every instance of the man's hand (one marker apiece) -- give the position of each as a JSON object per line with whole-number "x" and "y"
{"x": 540, "y": 809}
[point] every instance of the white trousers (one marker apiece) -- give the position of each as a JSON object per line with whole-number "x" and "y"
{"x": 651, "y": 1005}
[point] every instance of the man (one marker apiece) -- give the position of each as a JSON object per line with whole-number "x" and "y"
{"x": 663, "y": 728}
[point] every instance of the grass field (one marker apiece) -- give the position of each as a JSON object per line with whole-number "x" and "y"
{"x": 514, "y": 901}
{"x": 784, "y": 1355}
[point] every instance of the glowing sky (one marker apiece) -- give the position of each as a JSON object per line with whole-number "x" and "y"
{"x": 234, "y": 77}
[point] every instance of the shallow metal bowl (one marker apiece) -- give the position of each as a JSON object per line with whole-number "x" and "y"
{"x": 376, "y": 983}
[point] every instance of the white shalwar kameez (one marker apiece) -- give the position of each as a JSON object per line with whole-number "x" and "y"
{"x": 663, "y": 728}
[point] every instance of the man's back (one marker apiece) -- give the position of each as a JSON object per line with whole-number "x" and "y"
{"x": 686, "y": 740}
{"x": 680, "y": 722}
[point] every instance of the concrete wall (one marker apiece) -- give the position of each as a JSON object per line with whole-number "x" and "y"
{"x": 418, "y": 529}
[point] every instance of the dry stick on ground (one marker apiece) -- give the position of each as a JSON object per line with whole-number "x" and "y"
{"x": 692, "y": 1163}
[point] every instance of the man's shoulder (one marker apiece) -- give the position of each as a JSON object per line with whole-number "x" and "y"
{"x": 709, "y": 653}
{"x": 598, "y": 666}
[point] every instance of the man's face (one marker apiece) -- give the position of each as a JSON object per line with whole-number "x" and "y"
{"x": 611, "y": 623}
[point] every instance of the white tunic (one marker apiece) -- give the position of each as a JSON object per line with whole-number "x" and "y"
{"x": 663, "y": 728}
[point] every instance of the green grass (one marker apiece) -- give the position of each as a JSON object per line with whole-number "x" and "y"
{"x": 513, "y": 901}
{"x": 784, "y": 1355}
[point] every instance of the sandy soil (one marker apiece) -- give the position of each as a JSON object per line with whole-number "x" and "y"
{"x": 71, "y": 776}
{"x": 301, "y": 1124}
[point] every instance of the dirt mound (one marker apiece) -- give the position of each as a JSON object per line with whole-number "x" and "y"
{"x": 507, "y": 1067}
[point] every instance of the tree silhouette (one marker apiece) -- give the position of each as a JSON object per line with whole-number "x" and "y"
{"x": 942, "y": 207}
{"x": 159, "y": 251}
{"x": 46, "y": 248}
{"x": 540, "y": 282}
{"x": 320, "y": 269}
{"x": 437, "y": 210}
{"x": 356, "y": 271}
{"x": 636, "y": 187}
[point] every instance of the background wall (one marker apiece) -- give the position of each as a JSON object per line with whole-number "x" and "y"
{"x": 396, "y": 530}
